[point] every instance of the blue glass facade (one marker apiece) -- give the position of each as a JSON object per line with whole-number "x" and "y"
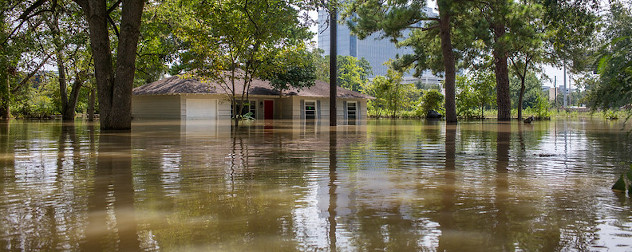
{"x": 375, "y": 50}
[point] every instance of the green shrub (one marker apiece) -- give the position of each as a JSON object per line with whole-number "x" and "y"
{"x": 431, "y": 100}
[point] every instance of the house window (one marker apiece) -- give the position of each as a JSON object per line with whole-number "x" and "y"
{"x": 310, "y": 109}
{"x": 247, "y": 107}
{"x": 253, "y": 108}
{"x": 352, "y": 111}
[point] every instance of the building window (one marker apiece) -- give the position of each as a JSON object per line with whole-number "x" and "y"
{"x": 253, "y": 108}
{"x": 352, "y": 111}
{"x": 247, "y": 107}
{"x": 310, "y": 109}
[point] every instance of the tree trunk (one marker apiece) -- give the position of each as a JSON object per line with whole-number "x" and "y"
{"x": 5, "y": 95}
{"x": 521, "y": 97}
{"x": 63, "y": 87}
{"x": 503, "y": 99}
{"x": 482, "y": 111}
{"x": 333, "y": 66}
{"x": 448, "y": 61}
{"x": 115, "y": 89}
{"x": 71, "y": 102}
{"x": 91, "y": 105}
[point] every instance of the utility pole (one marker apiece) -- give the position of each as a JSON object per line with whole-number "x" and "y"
{"x": 570, "y": 90}
{"x": 333, "y": 68}
{"x": 555, "y": 92}
{"x": 565, "y": 90}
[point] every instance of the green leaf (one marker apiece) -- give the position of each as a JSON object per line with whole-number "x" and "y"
{"x": 619, "y": 186}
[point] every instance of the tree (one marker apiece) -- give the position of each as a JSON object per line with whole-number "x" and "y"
{"x": 396, "y": 18}
{"x": 114, "y": 85}
{"x": 19, "y": 49}
{"x": 293, "y": 68}
{"x": 236, "y": 41}
{"x": 475, "y": 92}
{"x": 530, "y": 87}
{"x": 352, "y": 73}
{"x": 158, "y": 48}
{"x": 613, "y": 88}
{"x": 570, "y": 26}
{"x": 431, "y": 100}
{"x": 390, "y": 94}
{"x": 495, "y": 16}
{"x": 527, "y": 43}
{"x": 72, "y": 56}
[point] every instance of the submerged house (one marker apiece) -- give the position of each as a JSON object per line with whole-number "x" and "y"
{"x": 182, "y": 98}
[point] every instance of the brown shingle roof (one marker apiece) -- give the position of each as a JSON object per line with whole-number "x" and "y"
{"x": 178, "y": 85}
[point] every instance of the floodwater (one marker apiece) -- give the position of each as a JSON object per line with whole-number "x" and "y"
{"x": 283, "y": 186}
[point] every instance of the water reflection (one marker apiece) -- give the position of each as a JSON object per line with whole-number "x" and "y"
{"x": 283, "y": 185}
{"x": 450, "y": 238}
{"x": 111, "y": 222}
{"x": 333, "y": 140}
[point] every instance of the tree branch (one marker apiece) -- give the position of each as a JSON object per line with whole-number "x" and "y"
{"x": 424, "y": 28}
{"x": 30, "y": 9}
{"x": 114, "y": 6}
{"x": 30, "y": 75}
{"x": 111, "y": 21}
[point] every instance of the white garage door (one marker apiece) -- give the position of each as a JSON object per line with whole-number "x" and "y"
{"x": 201, "y": 109}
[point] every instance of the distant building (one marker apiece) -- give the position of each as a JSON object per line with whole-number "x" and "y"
{"x": 375, "y": 50}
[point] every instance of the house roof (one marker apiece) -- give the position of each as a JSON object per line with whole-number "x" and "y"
{"x": 179, "y": 85}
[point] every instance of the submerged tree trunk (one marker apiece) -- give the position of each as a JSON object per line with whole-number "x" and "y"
{"x": 521, "y": 97}
{"x": 503, "y": 99}
{"x": 522, "y": 73}
{"x": 115, "y": 88}
{"x": 68, "y": 104}
{"x": 333, "y": 66}
{"x": 482, "y": 111}
{"x": 71, "y": 102}
{"x": 448, "y": 61}
{"x": 91, "y": 102}
{"x": 5, "y": 95}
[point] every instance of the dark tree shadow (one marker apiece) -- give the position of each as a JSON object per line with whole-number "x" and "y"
{"x": 112, "y": 223}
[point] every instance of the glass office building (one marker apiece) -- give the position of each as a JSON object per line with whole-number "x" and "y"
{"x": 374, "y": 49}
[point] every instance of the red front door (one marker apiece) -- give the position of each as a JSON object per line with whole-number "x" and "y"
{"x": 268, "y": 109}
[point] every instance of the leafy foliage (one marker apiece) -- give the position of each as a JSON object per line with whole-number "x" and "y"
{"x": 475, "y": 92}
{"x": 533, "y": 90}
{"x": 614, "y": 88}
{"x": 391, "y": 95}
{"x": 295, "y": 69}
{"x": 353, "y": 73}
{"x": 238, "y": 40}
{"x": 431, "y": 100}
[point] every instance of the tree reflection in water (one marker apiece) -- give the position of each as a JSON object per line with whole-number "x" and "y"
{"x": 112, "y": 222}
{"x": 500, "y": 228}
{"x": 448, "y": 240}
{"x": 332, "y": 188}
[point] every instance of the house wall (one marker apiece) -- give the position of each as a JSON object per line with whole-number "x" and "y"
{"x": 156, "y": 106}
{"x": 174, "y": 106}
{"x": 322, "y": 105}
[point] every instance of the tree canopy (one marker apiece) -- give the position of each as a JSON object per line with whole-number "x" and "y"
{"x": 614, "y": 66}
{"x": 240, "y": 40}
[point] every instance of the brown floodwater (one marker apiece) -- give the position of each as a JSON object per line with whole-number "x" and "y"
{"x": 287, "y": 186}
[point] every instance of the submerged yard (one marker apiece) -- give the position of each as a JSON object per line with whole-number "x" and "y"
{"x": 285, "y": 186}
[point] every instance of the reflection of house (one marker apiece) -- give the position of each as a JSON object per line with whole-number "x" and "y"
{"x": 175, "y": 97}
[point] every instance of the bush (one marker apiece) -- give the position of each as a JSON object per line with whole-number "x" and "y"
{"x": 431, "y": 100}
{"x": 39, "y": 106}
